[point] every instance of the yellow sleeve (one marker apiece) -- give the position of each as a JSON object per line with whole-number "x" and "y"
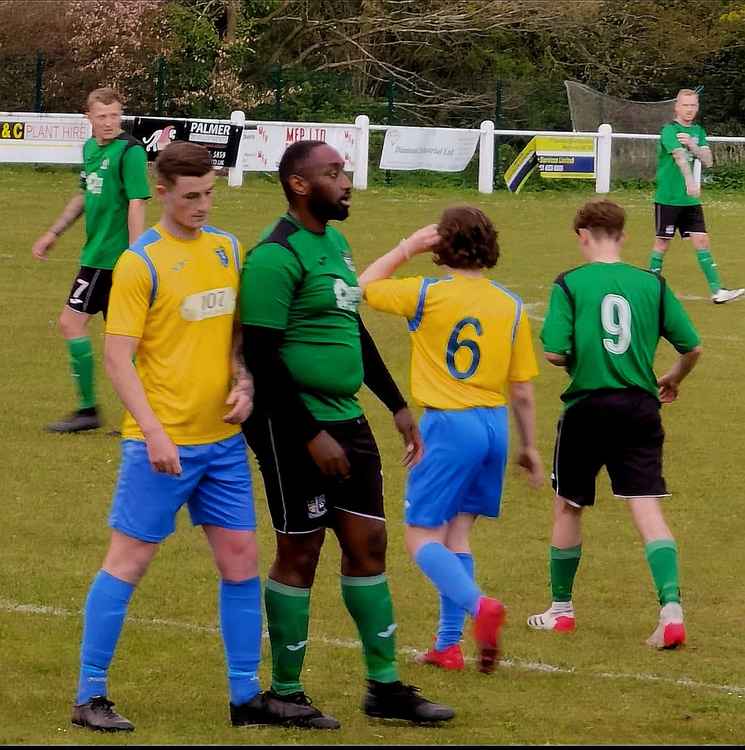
{"x": 523, "y": 365}
{"x": 397, "y": 296}
{"x": 129, "y": 302}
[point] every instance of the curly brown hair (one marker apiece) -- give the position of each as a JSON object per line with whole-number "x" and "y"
{"x": 469, "y": 239}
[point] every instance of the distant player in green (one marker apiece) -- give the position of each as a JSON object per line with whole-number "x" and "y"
{"x": 115, "y": 188}
{"x": 309, "y": 353}
{"x": 604, "y": 322}
{"x": 677, "y": 199}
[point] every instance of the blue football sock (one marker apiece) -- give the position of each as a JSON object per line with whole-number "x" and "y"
{"x": 453, "y": 617}
{"x": 105, "y": 610}
{"x": 446, "y": 571}
{"x": 240, "y": 623}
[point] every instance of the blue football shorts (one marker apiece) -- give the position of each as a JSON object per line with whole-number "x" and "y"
{"x": 462, "y": 470}
{"x": 215, "y": 484}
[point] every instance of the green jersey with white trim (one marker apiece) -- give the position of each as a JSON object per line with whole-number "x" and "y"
{"x": 306, "y": 285}
{"x": 607, "y": 319}
{"x": 671, "y": 188}
{"x": 112, "y": 176}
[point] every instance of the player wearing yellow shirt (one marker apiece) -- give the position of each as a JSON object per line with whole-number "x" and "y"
{"x": 172, "y": 353}
{"x": 471, "y": 354}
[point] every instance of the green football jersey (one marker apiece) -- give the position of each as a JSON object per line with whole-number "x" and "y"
{"x": 608, "y": 318}
{"x": 306, "y": 285}
{"x": 671, "y": 188}
{"x": 112, "y": 175}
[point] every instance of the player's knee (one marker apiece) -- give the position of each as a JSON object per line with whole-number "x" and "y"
{"x": 69, "y": 326}
{"x": 563, "y": 509}
{"x": 299, "y": 557}
{"x": 236, "y": 558}
{"x": 368, "y": 554}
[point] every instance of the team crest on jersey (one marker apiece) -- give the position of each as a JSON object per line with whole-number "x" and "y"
{"x": 94, "y": 183}
{"x": 317, "y": 506}
{"x": 222, "y": 255}
{"x": 349, "y": 262}
{"x": 105, "y": 164}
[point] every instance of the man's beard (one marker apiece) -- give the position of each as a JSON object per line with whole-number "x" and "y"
{"x": 325, "y": 211}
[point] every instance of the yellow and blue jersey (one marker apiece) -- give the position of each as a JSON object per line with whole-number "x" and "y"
{"x": 470, "y": 337}
{"x": 178, "y": 297}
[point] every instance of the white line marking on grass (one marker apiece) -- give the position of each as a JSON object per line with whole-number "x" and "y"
{"x": 530, "y": 310}
{"x": 693, "y": 298}
{"x": 6, "y": 256}
{"x": 512, "y": 663}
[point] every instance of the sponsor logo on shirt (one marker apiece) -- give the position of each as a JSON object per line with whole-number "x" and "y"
{"x": 347, "y": 297}
{"x": 94, "y": 183}
{"x": 209, "y": 304}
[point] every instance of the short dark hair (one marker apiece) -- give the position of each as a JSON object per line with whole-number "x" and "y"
{"x": 601, "y": 216}
{"x": 292, "y": 162}
{"x": 469, "y": 239}
{"x": 182, "y": 159}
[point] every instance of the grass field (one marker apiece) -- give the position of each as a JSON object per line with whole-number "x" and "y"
{"x": 601, "y": 685}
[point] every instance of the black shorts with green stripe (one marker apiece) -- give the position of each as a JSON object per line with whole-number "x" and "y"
{"x": 300, "y": 498}
{"x": 619, "y": 429}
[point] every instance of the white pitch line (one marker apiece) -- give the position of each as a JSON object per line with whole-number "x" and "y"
{"x": 513, "y": 662}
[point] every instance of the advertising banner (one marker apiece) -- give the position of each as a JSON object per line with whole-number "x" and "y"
{"x": 563, "y": 158}
{"x": 46, "y": 139}
{"x": 433, "y": 149}
{"x": 264, "y": 144}
{"x": 220, "y": 138}
{"x": 555, "y": 158}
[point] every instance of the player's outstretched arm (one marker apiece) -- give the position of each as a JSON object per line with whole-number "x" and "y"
{"x": 421, "y": 241}
{"x": 119, "y": 352}
{"x": 522, "y": 403}
{"x": 69, "y": 216}
{"x": 669, "y": 383}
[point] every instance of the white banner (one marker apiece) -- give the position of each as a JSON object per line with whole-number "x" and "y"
{"x": 45, "y": 139}
{"x": 434, "y": 149}
{"x": 263, "y": 146}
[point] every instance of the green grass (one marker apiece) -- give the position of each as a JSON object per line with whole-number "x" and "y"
{"x": 605, "y": 687}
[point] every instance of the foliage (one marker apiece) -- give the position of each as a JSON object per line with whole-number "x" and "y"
{"x": 443, "y": 62}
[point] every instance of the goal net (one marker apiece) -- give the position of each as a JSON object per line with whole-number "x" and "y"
{"x": 631, "y": 158}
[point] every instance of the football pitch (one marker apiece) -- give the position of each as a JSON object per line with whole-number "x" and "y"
{"x": 600, "y": 685}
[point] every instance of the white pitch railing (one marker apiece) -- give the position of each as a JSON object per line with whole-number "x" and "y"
{"x": 58, "y": 139}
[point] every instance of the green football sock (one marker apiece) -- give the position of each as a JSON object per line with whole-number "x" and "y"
{"x": 287, "y": 614}
{"x": 563, "y": 564}
{"x": 656, "y": 260}
{"x": 369, "y": 602}
{"x": 662, "y": 558}
{"x": 81, "y": 364}
{"x": 709, "y": 267}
